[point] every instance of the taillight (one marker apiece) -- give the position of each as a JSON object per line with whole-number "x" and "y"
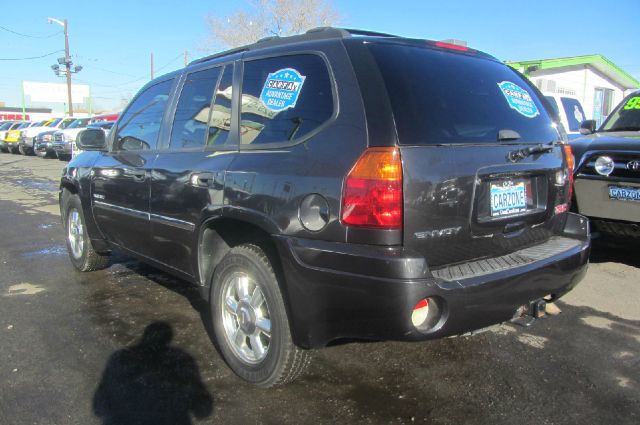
{"x": 569, "y": 158}
{"x": 372, "y": 193}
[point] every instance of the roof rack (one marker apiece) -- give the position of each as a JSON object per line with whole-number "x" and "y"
{"x": 319, "y": 33}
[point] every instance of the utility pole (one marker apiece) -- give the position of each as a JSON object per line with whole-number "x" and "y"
{"x": 67, "y": 58}
{"x": 66, "y": 61}
{"x": 152, "y": 66}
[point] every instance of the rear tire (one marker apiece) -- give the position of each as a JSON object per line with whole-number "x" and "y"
{"x": 250, "y": 319}
{"x": 81, "y": 252}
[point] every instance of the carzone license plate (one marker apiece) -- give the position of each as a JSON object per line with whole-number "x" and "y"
{"x": 508, "y": 197}
{"x": 622, "y": 193}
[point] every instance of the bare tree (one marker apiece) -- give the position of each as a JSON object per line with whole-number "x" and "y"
{"x": 263, "y": 18}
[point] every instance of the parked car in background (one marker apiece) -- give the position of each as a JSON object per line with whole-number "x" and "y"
{"x": 4, "y": 129}
{"x": 41, "y": 140}
{"x": 569, "y": 110}
{"x": 13, "y": 136}
{"x": 607, "y": 172}
{"x": 104, "y": 117}
{"x": 64, "y": 139}
{"x": 306, "y": 217}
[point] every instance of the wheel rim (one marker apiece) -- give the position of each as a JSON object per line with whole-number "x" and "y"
{"x": 75, "y": 233}
{"x": 245, "y": 317}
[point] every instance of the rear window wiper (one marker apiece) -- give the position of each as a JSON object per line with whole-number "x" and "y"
{"x": 520, "y": 154}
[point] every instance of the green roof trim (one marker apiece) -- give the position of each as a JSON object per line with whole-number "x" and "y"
{"x": 598, "y": 62}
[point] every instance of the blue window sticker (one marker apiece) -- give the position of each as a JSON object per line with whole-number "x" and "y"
{"x": 519, "y": 99}
{"x": 282, "y": 88}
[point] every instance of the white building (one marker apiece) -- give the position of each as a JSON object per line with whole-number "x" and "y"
{"x": 596, "y": 81}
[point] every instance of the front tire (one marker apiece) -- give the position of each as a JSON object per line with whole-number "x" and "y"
{"x": 81, "y": 252}
{"x": 250, "y": 320}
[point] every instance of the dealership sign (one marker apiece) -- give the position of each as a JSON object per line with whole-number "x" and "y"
{"x": 54, "y": 92}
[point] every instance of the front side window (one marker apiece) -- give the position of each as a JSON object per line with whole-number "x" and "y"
{"x": 79, "y": 123}
{"x": 284, "y": 98}
{"x": 193, "y": 110}
{"x": 140, "y": 124}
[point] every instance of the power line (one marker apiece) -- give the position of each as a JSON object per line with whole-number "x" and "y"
{"x": 29, "y": 35}
{"x": 33, "y": 57}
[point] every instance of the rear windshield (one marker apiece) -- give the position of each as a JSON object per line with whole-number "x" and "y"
{"x": 443, "y": 98}
{"x": 626, "y": 117}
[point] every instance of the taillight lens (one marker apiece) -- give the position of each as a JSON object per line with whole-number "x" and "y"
{"x": 372, "y": 194}
{"x": 569, "y": 158}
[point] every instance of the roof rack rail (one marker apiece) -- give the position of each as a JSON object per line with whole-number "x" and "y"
{"x": 319, "y": 33}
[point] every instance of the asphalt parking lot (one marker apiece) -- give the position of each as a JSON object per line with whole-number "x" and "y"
{"x": 128, "y": 345}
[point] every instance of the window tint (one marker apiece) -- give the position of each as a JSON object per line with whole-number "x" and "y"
{"x": 79, "y": 123}
{"x": 66, "y": 123}
{"x": 553, "y": 103}
{"x": 441, "y": 97}
{"x": 220, "y": 119}
{"x": 140, "y": 125}
{"x": 192, "y": 113}
{"x": 574, "y": 111}
{"x": 284, "y": 98}
{"x": 54, "y": 122}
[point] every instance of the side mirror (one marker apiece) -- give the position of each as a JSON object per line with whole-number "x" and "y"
{"x": 588, "y": 127}
{"x": 91, "y": 139}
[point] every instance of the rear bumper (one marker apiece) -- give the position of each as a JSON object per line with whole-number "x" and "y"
{"x": 337, "y": 291}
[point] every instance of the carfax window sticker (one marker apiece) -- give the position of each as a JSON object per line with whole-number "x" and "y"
{"x": 282, "y": 88}
{"x": 519, "y": 99}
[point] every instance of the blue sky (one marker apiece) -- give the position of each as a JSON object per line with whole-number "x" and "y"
{"x": 114, "y": 40}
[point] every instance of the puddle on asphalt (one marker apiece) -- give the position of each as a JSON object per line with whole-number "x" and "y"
{"x": 45, "y": 185}
{"x": 52, "y": 250}
{"x": 23, "y": 288}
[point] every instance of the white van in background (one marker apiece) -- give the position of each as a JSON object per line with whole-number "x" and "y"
{"x": 570, "y": 111}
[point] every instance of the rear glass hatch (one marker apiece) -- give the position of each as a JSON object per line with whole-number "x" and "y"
{"x": 479, "y": 151}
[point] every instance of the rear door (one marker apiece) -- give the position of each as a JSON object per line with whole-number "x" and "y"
{"x": 121, "y": 178}
{"x": 188, "y": 174}
{"x": 465, "y": 125}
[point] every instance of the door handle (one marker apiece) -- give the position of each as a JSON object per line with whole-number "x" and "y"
{"x": 202, "y": 179}
{"x": 139, "y": 175}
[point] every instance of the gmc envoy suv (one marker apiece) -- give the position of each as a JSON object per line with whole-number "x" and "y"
{"x": 333, "y": 186}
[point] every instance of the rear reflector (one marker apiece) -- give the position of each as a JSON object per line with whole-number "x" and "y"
{"x": 372, "y": 194}
{"x": 420, "y": 312}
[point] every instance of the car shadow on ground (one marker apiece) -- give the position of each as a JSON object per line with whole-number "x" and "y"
{"x": 152, "y": 382}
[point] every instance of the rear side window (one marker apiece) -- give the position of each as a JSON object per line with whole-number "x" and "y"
{"x": 574, "y": 111}
{"x": 194, "y": 106}
{"x": 140, "y": 124}
{"x": 220, "y": 119}
{"x": 442, "y": 98}
{"x": 284, "y": 98}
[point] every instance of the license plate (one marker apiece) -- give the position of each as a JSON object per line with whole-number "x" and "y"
{"x": 622, "y": 193}
{"x": 508, "y": 197}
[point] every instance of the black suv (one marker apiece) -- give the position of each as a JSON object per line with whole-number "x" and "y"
{"x": 335, "y": 185}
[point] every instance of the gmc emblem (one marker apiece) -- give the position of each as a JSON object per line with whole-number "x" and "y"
{"x": 633, "y": 165}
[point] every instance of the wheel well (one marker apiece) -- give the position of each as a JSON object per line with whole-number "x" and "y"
{"x": 219, "y": 236}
